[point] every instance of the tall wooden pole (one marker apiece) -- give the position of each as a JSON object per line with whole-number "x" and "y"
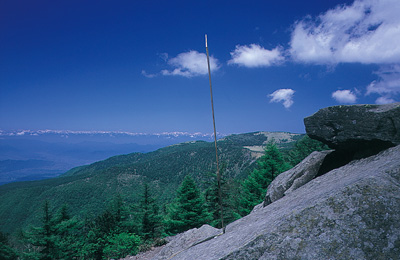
{"x": 215, "y": 142}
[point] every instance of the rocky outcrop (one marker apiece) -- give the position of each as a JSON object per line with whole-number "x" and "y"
{"x": 348, "y": 213}
{"x": 186, "y": 240}
{"x": 342, "y": 204}
{"x": 366, "y": 128}
{"x": 179, "y": 243}
{"x": 296, "y": 177}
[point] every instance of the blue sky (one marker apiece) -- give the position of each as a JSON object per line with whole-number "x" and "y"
{"x": 140, "y": 66}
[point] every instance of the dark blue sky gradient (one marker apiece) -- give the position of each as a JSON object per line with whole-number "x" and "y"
{"x": 78, "y": 65}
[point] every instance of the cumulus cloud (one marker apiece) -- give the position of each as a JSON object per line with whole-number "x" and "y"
{"x": 255, "y": 56}
{"x": 190, "y": 64}
{"x": 284, "y": 95}
{"x": 384, "y": 100}
{"x": 344, "y": 96}
{"x": 365, "y": 32}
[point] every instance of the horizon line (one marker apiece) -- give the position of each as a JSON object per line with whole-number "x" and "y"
{"x": 21, "y": 132}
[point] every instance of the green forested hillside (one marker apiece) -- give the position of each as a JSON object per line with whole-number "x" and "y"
{"x": 88, "y": 189}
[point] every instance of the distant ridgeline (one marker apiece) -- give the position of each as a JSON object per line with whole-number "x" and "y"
{"x": 88, "y": 189}
{"x": 29, "y": 155}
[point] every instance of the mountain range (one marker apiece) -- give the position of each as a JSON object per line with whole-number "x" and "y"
{"x": 39, "y": 154}
{"x": 87, "y": 189}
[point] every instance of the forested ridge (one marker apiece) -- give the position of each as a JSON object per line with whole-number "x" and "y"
{"x": 128, "y": 203}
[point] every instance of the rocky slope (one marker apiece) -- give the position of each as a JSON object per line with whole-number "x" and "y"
{"x": 349, "y": 212}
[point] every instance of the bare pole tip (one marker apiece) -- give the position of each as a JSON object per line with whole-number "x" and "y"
{"x": 206, "y": 40}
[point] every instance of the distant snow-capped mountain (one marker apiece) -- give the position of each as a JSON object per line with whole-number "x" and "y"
{"x": 119, "y": 137}
{"x": 37, "y": 154}
{"x": 110, "y": 133}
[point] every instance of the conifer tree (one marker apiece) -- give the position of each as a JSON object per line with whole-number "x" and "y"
{"x": 151, "y": 220}
{"x": 6, "y": 251}
{"x": 121, "y": 245}
{"x": 189, "y": 210}
{"x": 59, "y": 237}
{"x": 63, "y": 215}
{"x": 42, "y": 239}
{"x": 48, "y": 241}
{"x": 270, "y": 165}
{"x": 302, "y": 148}
{"x": 103, "y": 228}
{"x": 212, "y": 199}
{"x": 69, "y": 234}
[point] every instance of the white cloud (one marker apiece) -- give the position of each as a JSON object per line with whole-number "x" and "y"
{"x": 388, "y": 82}
{"x": 384, "y": 100}
{"x": 387, "y": 85}
{"x": 190, "y": 64}
{"x": 283, "y": 95}
{"x": 365, "y": 32}
{"x": 255, "y": 56}
{"x": 344, "y": 96}
{"x": 148, "y": 75}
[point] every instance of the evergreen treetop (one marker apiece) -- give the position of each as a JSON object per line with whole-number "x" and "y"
{"x": 189, "y": 210}
{"x": 270, "y": 165}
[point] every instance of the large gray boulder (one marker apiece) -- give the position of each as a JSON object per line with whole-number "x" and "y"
{"x": 187, "y": 240}
{"x": 356, "y": 127}
{"x": 296, "y": 177}
{"x": 352, "y": 212}
{"x": 179, "y": 243}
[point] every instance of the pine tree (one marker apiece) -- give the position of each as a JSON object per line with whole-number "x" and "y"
{"x": 212, "y": 199}
{"x": 69, "y": 234}
{"x": 189, "y": 210}
{"x": 302, "y": 148}
{"x": 121, "y": 245}
{"x": 6, "y": 251}
{"x": 59, "y": 237}
{"x": 151, "y": 220}
{"x": 48, "y": 234}
{"x": 270, "y": 165}
{"x": 104, "y": 227}
{"x": 42, "y": 239}
{"x": 63, "y": 215}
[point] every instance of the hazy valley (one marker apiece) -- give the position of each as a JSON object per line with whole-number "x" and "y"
{"x": 34, "y": 155}
{"x": 88, "y": 188}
